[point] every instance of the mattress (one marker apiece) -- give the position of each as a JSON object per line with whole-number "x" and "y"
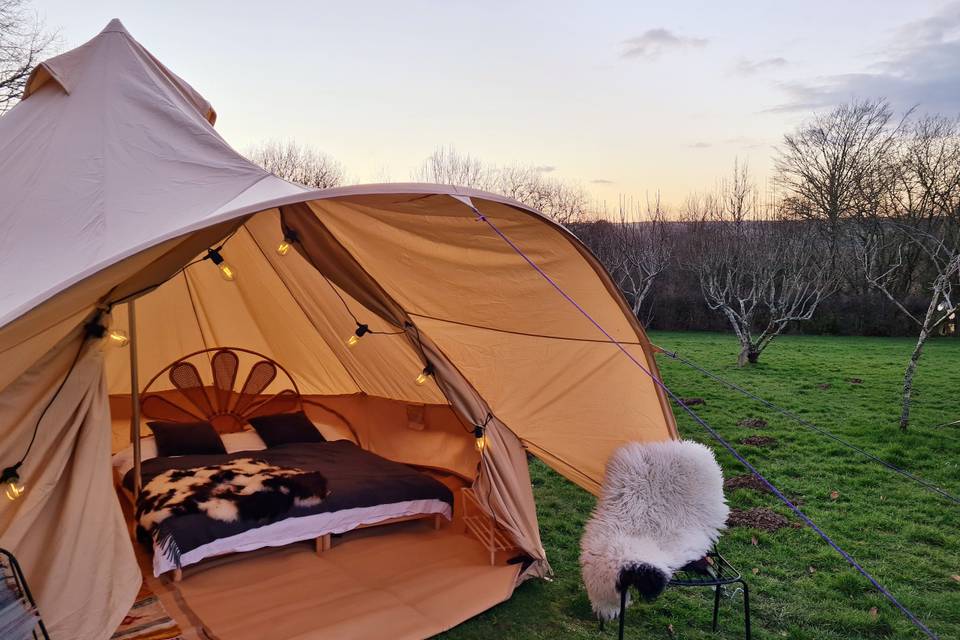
{"x": 364, "y": 489}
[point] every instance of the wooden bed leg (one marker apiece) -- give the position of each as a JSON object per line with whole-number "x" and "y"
{"x": 323, "y": 544}
{"x": 437, "y": 521}
{"x": 177, "y": 575}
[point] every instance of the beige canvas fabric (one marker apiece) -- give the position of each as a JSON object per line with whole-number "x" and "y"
{"x": 67, "y": 530}
{"x": 114, "y": 179}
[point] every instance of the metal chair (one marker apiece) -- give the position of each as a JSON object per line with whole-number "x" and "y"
{"x": 12, "y": 579}
{"x": 712, "y": 571}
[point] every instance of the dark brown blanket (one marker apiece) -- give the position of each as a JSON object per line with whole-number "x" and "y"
{"x": 354, "y": 478}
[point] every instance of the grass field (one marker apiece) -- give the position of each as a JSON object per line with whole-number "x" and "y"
{"x": 907, "y": 537}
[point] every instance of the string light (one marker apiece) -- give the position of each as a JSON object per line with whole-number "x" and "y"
{"x": 10, "y": 479}
{"x": 361, "y": 331}
{"x": 118, "y": 338}
{"x": 289, "y": 237}
{"x": 425, "y": 374}
{"x": 228, "y": 272}
{"x": 480, "y": 436}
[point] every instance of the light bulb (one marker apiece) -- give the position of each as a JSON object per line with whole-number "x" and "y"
{"x": 228, "y": 272}
{"x": 289, "y": 237}
{"x": 10, "y": 479}
{"x": 941, "y": 307}
{"x": 480, "y": 441}
{"x": 14, "y": 489}
{"x": 118, "y": 338}
{"x": 425, "y": 374}
{"x": 362, "y": 330}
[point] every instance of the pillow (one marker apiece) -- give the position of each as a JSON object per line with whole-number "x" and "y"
{"x": 243, "y": 441}
{"x": 284, "y": 428}
{"x": 185, "y": 439}
{"x": 123, "y": 459}
{"x": 232, "y": 442}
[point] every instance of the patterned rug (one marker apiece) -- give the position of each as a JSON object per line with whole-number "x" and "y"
{"x": 147, "y": 620}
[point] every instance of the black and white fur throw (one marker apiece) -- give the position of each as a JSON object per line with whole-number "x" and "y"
{"x": 661, "y": 507}
{"x": 244, "y": 489}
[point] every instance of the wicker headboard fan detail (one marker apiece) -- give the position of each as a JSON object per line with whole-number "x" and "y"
{"x": 219, "y": 397}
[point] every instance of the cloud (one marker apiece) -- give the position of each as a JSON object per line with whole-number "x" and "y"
{"x": 545, "y": 168}
{"x": 920, "y": 66}
{"x": 745, "y": 142}
{"x": 700, "y": 145}
{"x": 750, "y": 67}
{"x": 654, "y": 42}
{"x": 602, "y": 181}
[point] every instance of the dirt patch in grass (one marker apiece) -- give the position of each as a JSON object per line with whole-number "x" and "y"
{"x": 757, "y": 518}
{"x": 745, "y": 482}
{"x": 759, "y": 441}
{"x": 753, "y": 423}
{"x": 692, "y": 402}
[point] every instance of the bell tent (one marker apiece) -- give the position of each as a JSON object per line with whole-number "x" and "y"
{"x": 411, "y": 311}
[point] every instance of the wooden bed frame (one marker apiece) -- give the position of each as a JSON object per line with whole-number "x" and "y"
{"x": 219, "y": 400}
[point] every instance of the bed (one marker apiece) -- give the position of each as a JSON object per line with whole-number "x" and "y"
{"x": 249, "y": 495}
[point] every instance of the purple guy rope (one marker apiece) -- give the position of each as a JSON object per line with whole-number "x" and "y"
{"x": 846, "y": 556}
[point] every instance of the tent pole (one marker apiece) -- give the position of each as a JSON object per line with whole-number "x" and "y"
{"x": 134, "y": 397}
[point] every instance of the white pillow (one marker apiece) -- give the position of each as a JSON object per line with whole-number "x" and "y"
{"x": 232, "y": 442}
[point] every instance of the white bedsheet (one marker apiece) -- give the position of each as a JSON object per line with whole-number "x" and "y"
{"x": 292, "y": 530}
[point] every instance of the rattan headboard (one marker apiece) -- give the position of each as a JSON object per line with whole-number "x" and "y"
{"x": 216, "y": 396}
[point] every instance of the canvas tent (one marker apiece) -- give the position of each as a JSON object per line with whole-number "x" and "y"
{"x": 113, "y": 179}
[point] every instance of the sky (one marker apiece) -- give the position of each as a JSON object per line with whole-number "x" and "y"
{"x": 626, "y": 98}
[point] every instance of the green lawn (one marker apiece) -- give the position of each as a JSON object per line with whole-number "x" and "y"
{"x": 907, "y": 537}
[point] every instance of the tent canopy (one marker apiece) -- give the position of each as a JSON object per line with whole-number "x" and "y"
{"x": 114, "y": 181}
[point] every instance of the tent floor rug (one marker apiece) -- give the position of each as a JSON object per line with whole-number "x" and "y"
{"x": 412, "y": 582}
{"x": 147, "y": 620}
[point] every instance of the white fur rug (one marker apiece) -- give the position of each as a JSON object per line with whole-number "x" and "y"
{"x": 661, "y": 507}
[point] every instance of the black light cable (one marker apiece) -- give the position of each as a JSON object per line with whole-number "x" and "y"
{"x": 10, "y": 476}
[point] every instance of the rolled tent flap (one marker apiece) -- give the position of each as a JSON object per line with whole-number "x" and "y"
{"x": 67, "y": 530}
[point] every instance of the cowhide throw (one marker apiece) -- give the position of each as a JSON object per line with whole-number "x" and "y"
{"x": 244, "y": 489}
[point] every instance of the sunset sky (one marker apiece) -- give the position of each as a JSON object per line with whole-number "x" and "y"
{"x": 624, "y": 97}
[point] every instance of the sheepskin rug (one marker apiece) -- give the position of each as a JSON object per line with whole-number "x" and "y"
{"x": 244, "y": 489}
{"x": 661, "y": 507}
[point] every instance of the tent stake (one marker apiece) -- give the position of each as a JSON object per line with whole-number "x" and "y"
{"x": 134, "y": 397}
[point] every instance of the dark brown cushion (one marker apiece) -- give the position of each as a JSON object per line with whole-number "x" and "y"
{"x": 186, "y": 438}
{"x": 284, "y": 428}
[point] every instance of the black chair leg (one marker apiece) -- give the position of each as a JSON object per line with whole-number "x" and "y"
{"x": 746, "y": 609}
{"x": 716, "y": 606}
{"x": 623, "y": 609}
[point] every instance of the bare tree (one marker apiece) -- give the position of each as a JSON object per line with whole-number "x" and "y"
{"x": 303, "y": 165}
{"x": 565, "y": 202}
{"x": 924, "y": 216}
{"x": 834, "y": 167}
{"x": 634, "y": 247}
{"x": 761, "y": 271}
{"x": 447, "y": 166}
{"x": 23, "y": 43}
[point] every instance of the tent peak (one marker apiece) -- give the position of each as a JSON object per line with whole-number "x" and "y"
{"x": 120, "y": 57}
{"x": 115, "y": 26}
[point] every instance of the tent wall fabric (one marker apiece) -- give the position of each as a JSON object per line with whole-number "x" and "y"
{"x": 115, "y": 183}
{"x": 67, "y": 529}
